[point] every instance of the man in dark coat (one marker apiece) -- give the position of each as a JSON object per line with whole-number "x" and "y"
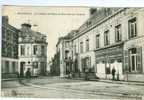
{"x": 113, "y": 73}
{"x": 28, "y": 73}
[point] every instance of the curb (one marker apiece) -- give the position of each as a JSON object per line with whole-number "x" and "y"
{"x": 114, "y": 82}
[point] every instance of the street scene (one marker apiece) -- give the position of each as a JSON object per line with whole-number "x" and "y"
{"x": 72, "y": 52}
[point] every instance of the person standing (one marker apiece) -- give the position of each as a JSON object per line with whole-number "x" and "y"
{"x": 113, "y": 73}
{"x": 28, "y": 74}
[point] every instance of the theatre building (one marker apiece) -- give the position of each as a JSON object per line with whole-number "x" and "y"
{"x": 32, "y": 51}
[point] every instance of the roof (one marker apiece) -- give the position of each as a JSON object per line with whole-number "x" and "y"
{"x": 26, "y": 31}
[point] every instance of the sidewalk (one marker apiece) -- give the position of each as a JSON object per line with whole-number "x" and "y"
{"x": 114, "y": 82}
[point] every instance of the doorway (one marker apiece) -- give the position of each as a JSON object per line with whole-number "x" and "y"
{"x": 22, "y": 64}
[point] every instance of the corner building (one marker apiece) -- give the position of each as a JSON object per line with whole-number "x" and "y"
{"x": 32, "y": 51}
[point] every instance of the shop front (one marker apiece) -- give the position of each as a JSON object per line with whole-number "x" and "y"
{"x": 107, "y": 59}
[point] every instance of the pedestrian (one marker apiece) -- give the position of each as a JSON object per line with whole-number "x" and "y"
{"x": 86, "y": 74}
{"x": 113, "y": 73}
{"x": 28, "y": 74}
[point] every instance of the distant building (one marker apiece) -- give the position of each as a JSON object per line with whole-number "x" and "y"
{"x": 64, "y": 49}
{"x": 110, "y": 38}
{"x": 54, "y": 67}
{"x": 9, "y": 49}
{"x": 32, "y": 51}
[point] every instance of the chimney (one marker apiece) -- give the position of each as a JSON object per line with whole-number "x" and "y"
{"x": 93, "y": 11}
{"x": 5, "y": 19}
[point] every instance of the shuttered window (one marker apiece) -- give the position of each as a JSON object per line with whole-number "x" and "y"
{"x": 139, "y": 59}
{"x": 133, "y": 60}
{"x": 126, "y": 61}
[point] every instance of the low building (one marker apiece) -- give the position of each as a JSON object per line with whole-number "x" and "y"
{"x": 9, "y": 49}
{"x": 32, "y": 51}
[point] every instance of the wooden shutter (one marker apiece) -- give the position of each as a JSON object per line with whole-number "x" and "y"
{"x": 139, "y": 59}
{"x": 126, "y": 61}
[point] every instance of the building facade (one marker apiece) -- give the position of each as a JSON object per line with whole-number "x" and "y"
{"x": 65, "y": 51}
{"x": 9, "y": 49}
{"x": 32, "y": 51}
{"x": 111, "y": 38}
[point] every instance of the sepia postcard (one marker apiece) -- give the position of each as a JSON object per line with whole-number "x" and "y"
{"x": 77, "y": 52}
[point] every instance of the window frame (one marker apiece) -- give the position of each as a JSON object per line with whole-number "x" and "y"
{"x": 118, "y": 33}
{"x": 98, "y": 41}
{"x": 131, "y": 22}
{"x": 106, "y": 41}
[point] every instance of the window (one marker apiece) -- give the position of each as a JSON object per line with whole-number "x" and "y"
{"x": 7, "y": 66}
{"x": 22, "y": 47}
{"x": 118, "y": 33}
{"x": 3, "y": 33}
{"x": 106, "y": 37}
{"x": 35, "y": 49}
{"x": 13, "y": 67}
{"x": 97, "y": 41}
{"x": 132, "y": 28}
{"x": 81, "y": 47}
{"x": 88, "y": 23}
{"x": 133, "y": 59}
{"x": 87, "y": 45}
{"x": 75, "y": 49}
{"x": 28, "y": 50}
{"x": 42, "y": 50}
{"x": 35, "y": 64}
{"x": 66, "y": 44}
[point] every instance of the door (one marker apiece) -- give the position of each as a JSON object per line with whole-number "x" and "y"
{"x": 22, "y": 64}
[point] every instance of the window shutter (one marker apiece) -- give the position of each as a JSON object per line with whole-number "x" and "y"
{"x": 139, "y": 59}
{"x": 126, "y": 61}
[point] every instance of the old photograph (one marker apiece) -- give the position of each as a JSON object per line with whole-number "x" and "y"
{"x": 75, "y": 52}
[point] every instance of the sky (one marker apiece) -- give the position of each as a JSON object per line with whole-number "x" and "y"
{"x": 52, "y": 21}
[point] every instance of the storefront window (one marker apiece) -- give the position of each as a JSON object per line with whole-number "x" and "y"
{"x": 135, "y": 55}
{"x": 107, "y": 68}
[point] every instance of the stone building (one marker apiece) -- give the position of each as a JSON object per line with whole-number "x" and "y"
{"x": 32, "y": 51}
{"x": 111, "y": 38}
{"x": 9, "y": 63}
{"x": 64, "y": 49}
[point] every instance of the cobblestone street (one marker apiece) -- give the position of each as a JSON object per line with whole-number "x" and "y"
{"x": 69, "y": 88}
